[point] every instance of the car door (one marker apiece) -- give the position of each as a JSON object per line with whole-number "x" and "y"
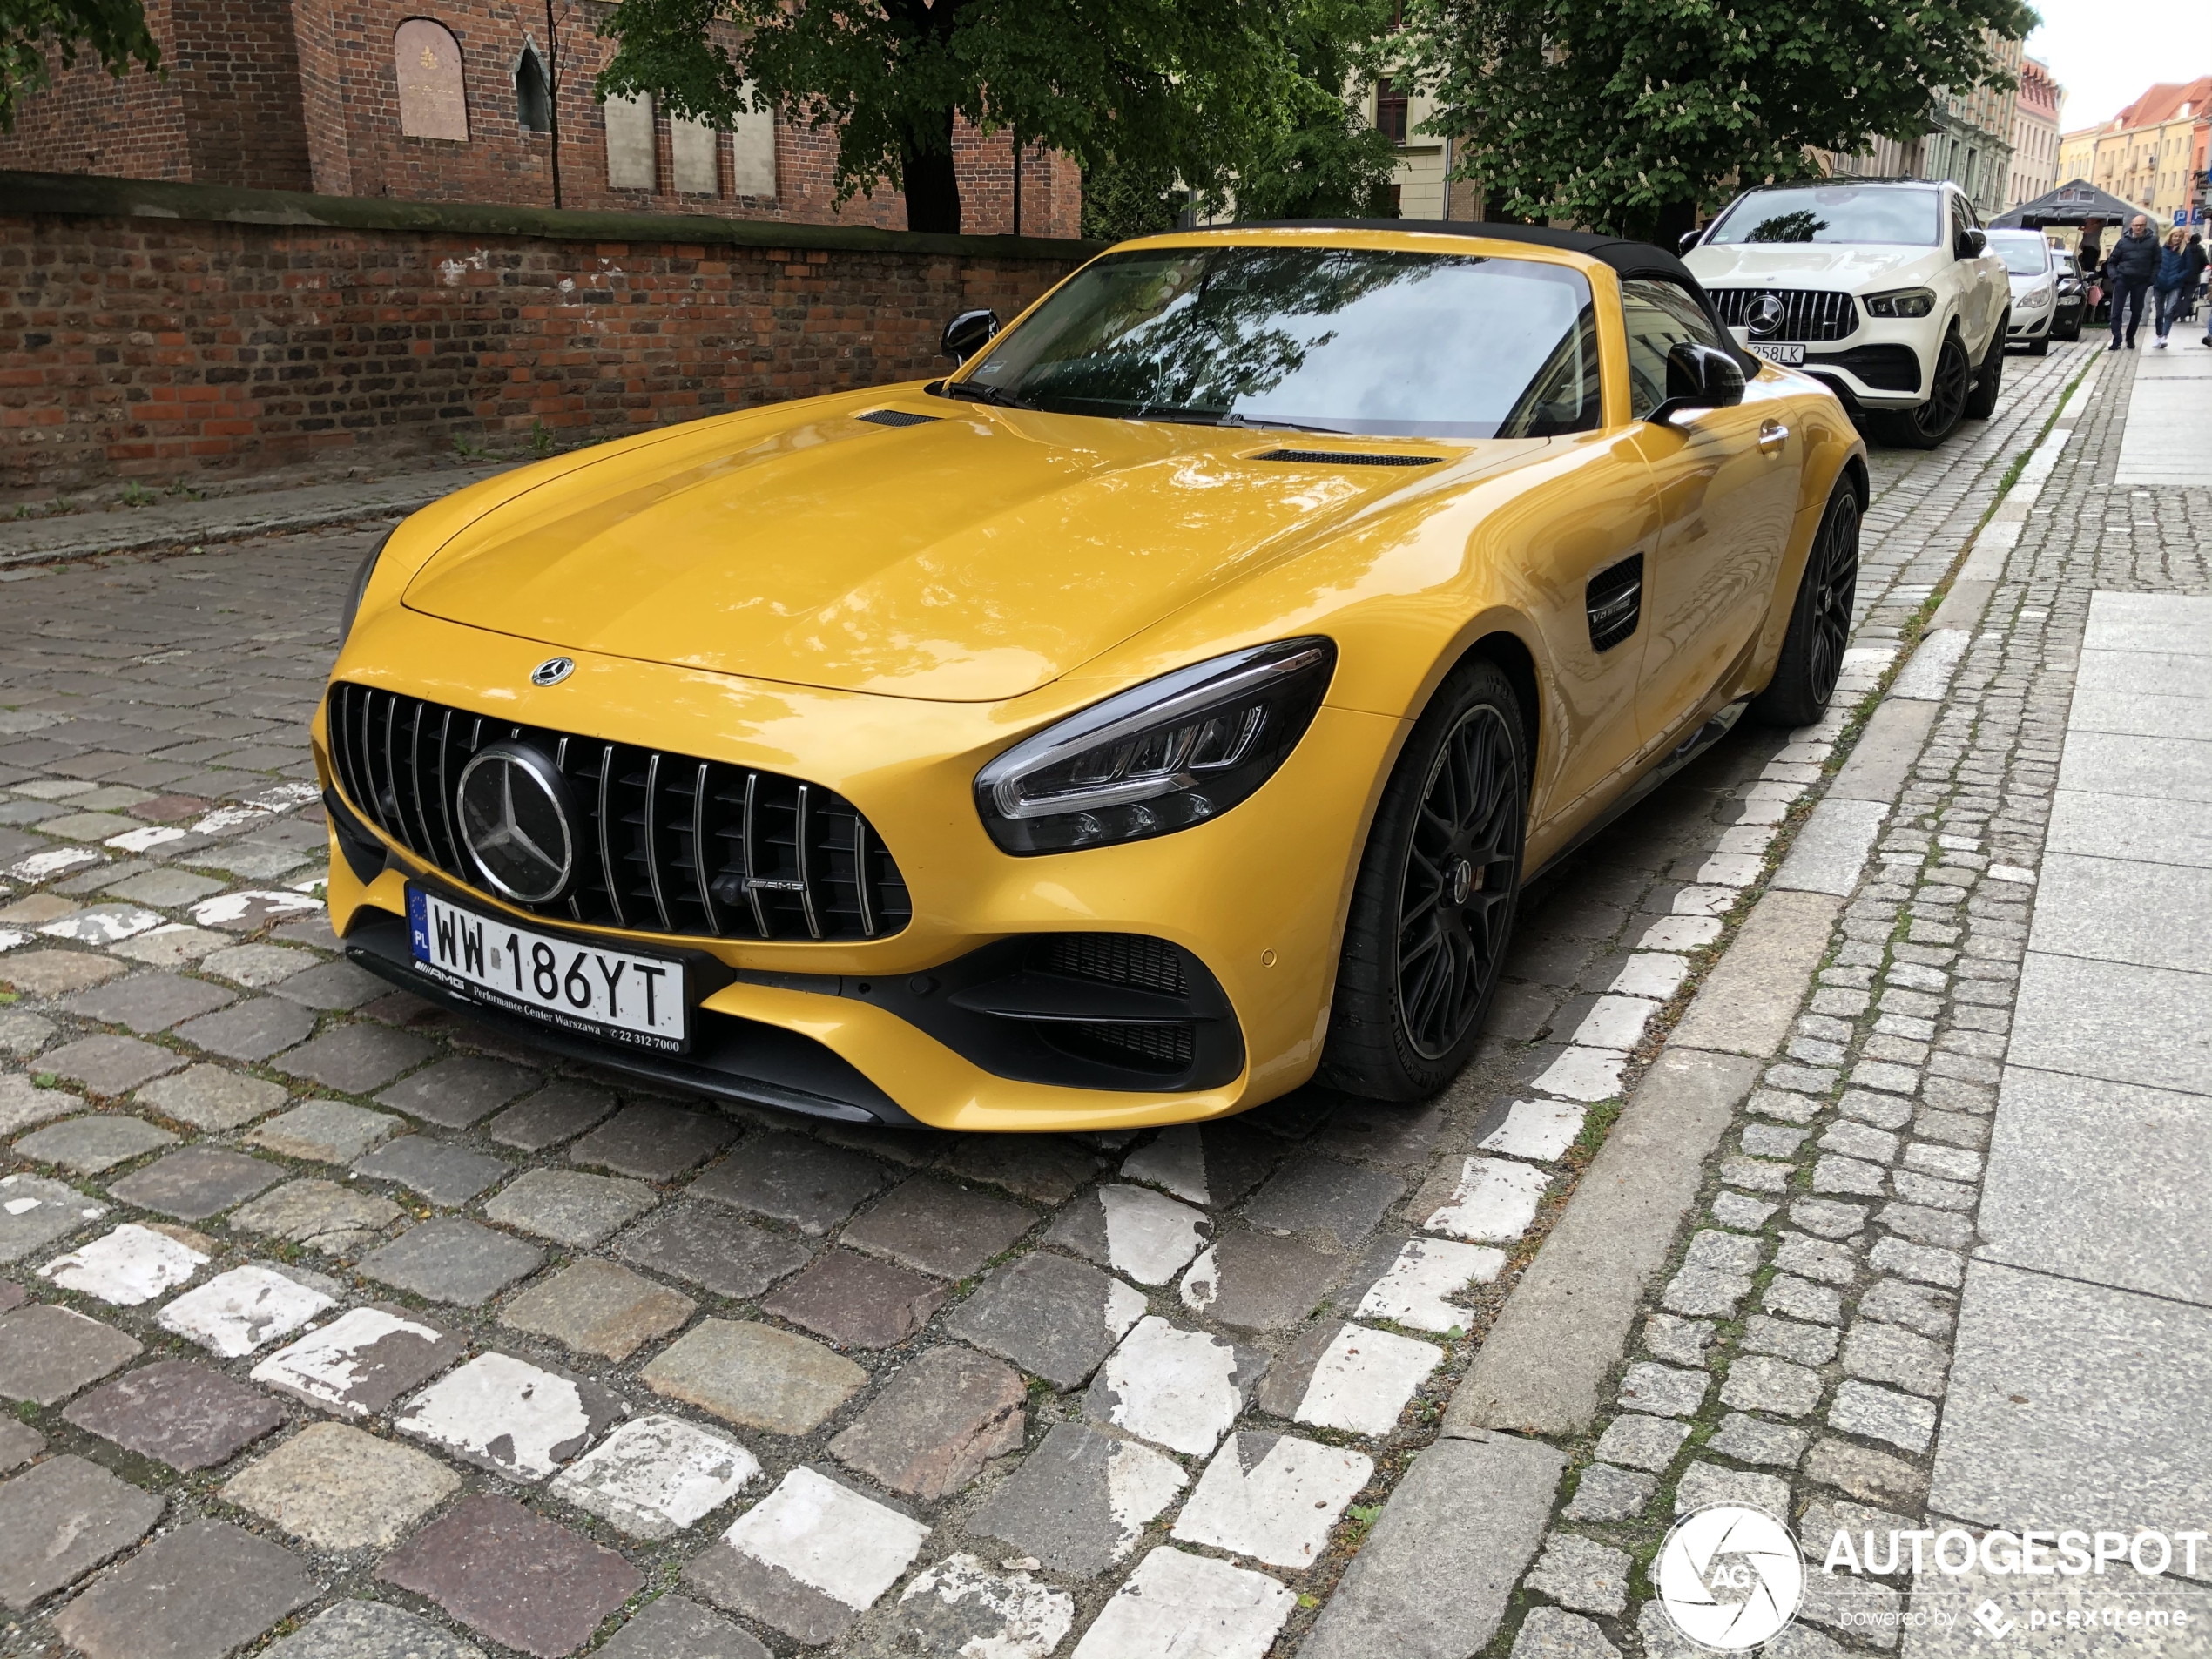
{"x": 1727, "y": 480}
{"x": 1978, "y": 304}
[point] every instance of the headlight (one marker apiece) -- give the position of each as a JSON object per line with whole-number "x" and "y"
{"x": 2034, "y": 300}
{"x": 1160, "y": 756}
{"x": 360, "y": 586}
{"x": 1900, "y": 302}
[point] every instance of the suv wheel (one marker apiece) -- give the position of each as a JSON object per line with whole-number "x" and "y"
{"x": 1981, "y": 402}
{"x": 1934, "y": 421}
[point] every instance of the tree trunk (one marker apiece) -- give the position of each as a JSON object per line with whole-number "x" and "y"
{"x": 933, "y": 187}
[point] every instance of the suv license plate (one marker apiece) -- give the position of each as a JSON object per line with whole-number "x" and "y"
{"x": 612, "y": 994}
{"x": 1789, "y": 356}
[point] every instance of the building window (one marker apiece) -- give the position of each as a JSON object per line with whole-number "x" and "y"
{"x": 533, "y": 98}
{"x": 1390, "y": 112}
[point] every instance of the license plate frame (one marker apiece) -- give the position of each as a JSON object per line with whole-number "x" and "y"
{"x": 1787, "y": 354}
{"x": 611, "y": 976}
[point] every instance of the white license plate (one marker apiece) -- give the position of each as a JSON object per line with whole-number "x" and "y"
{"x": 1789, "y": 356}
{"x": 584, "y": 989}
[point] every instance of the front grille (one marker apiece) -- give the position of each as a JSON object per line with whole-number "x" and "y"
{"x": 1165, "y": 1048}
{"x": 1807, "y": 314}
{"x": 1348, "y": 458}
{"x": 1115, "y": 959}
{"x": 1885, "y": 368}
{"x": 782, "y": 859}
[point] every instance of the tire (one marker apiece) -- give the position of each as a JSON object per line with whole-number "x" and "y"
{"x": 1981, "y": 402}
{"x": 2040, "y": 347}
{"x": 1812, "y": 650}
{"x": 1432, "y": 906}
{"x": 1928, "y": 425}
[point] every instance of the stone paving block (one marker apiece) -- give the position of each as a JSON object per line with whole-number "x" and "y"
{"x": 1702, "y": 1290}
{"x": 150, "y": 1001}
{"x": 858, "y": 1302}
{"x": 560, "y": 1111}
{"x": 672, "y": 1627}
{"x": 56, "y": 973}
{"x": 177, "y": 1412}
{"x": 62, "y": 1520}
{"x": 1043, "y": 1169}
{"x": 1669, "y": 1391}
{"x": 1258, "y": 1281}
{"x": 19, "y": 1443}
{"x": 598, "y": 1307}
{"x": 335, "y": 1488}
{"x": 1916, "y": 1307}
{"x": 1212, "y": 1164}
{"x": 1272, "y": 1497}
{"x": 48, "y": 1352}
{"x": 1874, "y": 1476}
{"x": 127, "y": 1266}
{"x": 712, "y": 1249}
{"x": 23, "y": 1034}
{"x": 654, "y": 1143}
{"x": 361, "y": 1361}
{"x": 200, "y": 1592}
{"x": 1055, "y": 1318}
{"x": 1641, "y": 1442}
{"x": 509, "y": 1416}
{"x": 570, "y": 1207}
{"x": 1818, "y": 1258}
{"x": 1888, "y": 1353}
{"x": 1408, "y": 1280}
{"x": 252, "y": 1030}
{"x": 1761, "y": 1383}
{"x": 657, "y": 1475}
{"x": 321, "y": 1215}
{"x": 1180, "y": 1389}
{"x": 939, "y": 1228}
{"x": 1549, "y": 1633}
{"x": 109, "y": 1065}
{"x": 1809, "y": 1344}
{"x": 1082, "y": 1500}
{"x": 960, "y": 1606}
{"x": 332, "y": 986}
{"x": 247, "y": 1308}
{"x": 370, "y": 1630}
{"x": 1132, "y": 1230}
{"x": 451, "y": 1258}
{"x": 456, "y": 1093}
{"x": 88, "y": 1145}
{"x": 1702, "y": 1483}
{"x": 250, "y": 912}
{"x": 755, "y": 1376}
{"x": 196, "y": 1182}
{"x": 165, "y": 889}
{"x": 1537, "y": 1129}
{"x": 1803, "y": 1299}
{"x": 1316, "y": 1195}
{"x": 793, "y": 1178}
{"x": 1581, "y": 1574}
{"x": 323, "y": 1131}
{"x": 809, "y": 1558}
{"x": 1495, "y": 1199}
{"x": 1175, "y": 1603}
{"x": 1604, "y": 1493}
{"x": 258, "y": 966}
{"x": 1942, "y": 1268}
{"x": 940, "y": 1419}
{"x": 24, "y": 1105}
{"x": 514, "y": 1576}
{"x": 1347, "y": 1377}
{"x": 175, "y": 946}
{"x": 445, "y": 1174}
{"x": 355, "y": 1059}
{"x": 1753, "y": 1439}
{"x": 1883, "y": 1414}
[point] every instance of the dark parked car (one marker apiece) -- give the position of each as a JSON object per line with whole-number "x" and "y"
{"x": 2072, "y": 297}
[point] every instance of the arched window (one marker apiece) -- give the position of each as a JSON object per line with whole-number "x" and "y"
{"x": 533, "y": 95}
{"x": 432, "y": 101}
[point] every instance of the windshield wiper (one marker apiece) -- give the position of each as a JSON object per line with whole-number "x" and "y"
{"x": 975, "y": 393}
{"x": 1212, "y": 417}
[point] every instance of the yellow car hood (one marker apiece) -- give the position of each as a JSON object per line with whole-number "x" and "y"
{"x": 973, "y": 558}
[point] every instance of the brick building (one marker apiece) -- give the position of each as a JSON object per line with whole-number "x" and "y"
{"x": 378, "y": 99}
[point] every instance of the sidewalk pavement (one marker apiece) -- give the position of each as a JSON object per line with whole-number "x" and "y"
{"x": 2165, "y": 444}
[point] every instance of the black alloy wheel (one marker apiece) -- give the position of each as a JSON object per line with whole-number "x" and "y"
{"x": 1812, "y": 650}
{"x": 1432, "y": 910}
{"x": 1948, "y": 389}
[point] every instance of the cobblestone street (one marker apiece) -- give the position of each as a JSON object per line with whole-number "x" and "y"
{"x": 340, "y": 1328}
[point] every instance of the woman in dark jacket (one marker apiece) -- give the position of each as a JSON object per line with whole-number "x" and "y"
{"x": 2167, "y": 285}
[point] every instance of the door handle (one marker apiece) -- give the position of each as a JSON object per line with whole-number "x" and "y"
{"x": 1772, "y": 436}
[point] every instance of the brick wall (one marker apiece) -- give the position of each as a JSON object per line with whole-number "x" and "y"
{"x": 164, "y": 331}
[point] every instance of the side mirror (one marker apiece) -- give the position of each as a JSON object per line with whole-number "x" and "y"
{"x": 968, "y": 334}
{"x": 1978, "y": 243}
{"x": 1689, "y": 239}
{"x": 1699, "y": 377}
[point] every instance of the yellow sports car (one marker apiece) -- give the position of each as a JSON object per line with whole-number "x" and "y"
{"x": 1165, "y": 707}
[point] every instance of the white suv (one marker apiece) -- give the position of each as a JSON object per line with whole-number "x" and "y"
{"x": 1888, "y": 292}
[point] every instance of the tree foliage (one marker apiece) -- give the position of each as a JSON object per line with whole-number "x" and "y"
{"x": 1317, "y": 157}
{"x": 1165, "y": 89}
{"x": 1631, "y": 116}
{"x": 112, "y": 32}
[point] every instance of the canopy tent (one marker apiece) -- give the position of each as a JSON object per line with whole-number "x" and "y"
{"x": 2070, "y": 204}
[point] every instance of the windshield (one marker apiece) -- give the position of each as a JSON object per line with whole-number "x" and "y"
{"x": 2024, "y": 252}
{"x": 1834, "y": 214}
{"x": 1332, "y": 339}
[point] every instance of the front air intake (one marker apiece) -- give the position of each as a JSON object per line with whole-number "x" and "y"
{"x": 898, "y": 417}
{"x": 1348, "y": 458}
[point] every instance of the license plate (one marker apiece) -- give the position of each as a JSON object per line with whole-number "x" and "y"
{"x": 612, "y": 994}
{"x": 1789, "y": 356}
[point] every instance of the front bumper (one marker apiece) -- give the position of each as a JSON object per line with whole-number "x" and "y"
{"x": 1255, "y": 898}
{"x": 1882, "y": 364}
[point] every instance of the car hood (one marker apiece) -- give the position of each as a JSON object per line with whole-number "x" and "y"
{"x": 1810, "y": 265}
{"x": 973, "y": 558}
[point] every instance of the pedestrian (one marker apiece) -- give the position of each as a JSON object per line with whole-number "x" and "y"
{"x": 2129, "y": 269}
{"x": 2171, "y": 286}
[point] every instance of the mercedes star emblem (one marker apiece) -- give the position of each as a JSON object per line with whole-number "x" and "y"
{"x": 1766, "y": 312}
{"x": 516, "y": 814}
{"x": 553, "y": 671}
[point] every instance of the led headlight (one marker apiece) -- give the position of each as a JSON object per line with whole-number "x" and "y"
{"x": 360, "y": 587}
{"x": 1900, "y": 302}
{"x": 1159, "y": 757}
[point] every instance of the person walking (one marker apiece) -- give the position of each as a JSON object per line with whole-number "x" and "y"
{"x": 2196, "y": 255}
{"x": 2129, "y": 269}
{"x": 2168, "y": 292}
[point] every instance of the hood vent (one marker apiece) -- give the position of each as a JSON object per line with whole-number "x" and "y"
{"x": 1347, "y": 458}
{"x": 898, "y": 417}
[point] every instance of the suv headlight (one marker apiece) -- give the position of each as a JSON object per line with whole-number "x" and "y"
{"x": 1159, "y": 757}
{"x": 360, "y": 587}
{"x": 1900, "y": 302}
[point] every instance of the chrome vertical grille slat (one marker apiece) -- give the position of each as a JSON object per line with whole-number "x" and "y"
{"x": 689, "y": 846}
{"x": 1812, "y": 314}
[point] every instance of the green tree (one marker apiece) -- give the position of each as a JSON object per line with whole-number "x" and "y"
{"x": 1632, "y": 116}
{"x": 1166, "y": 89}
{"x": 113, "y": 32}
{"x": 1318, "y": 157}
